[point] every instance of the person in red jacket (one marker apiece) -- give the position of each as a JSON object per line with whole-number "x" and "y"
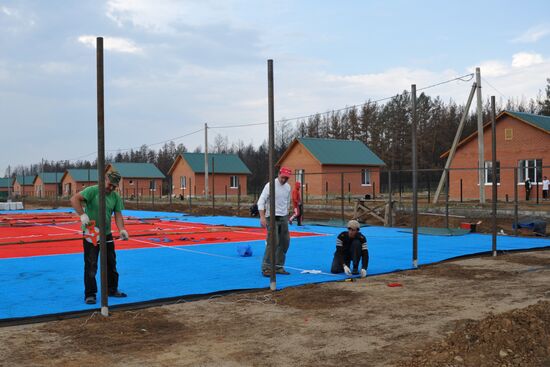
{"x": 297, "y": 204}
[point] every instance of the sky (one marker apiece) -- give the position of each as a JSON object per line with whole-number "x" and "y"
{"x": 173, "y": 65}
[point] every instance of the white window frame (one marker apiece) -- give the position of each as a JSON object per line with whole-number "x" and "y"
{"x": 523, "y": 170}
{"x": 365, "y": 177}
{"x": 183, "y": 182}
{"x": 234, "y": 182}
{"x": 489, "y": 170}
{"x": 299, "y": 175}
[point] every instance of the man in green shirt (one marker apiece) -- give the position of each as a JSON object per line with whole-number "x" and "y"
{"x": 113, "y": 204}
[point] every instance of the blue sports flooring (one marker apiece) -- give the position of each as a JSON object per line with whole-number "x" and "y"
{"x": 45, "y": 285}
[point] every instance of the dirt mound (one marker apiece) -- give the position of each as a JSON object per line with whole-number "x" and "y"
{"x": 517, "y": 338}
{"x": 314, "y": 297}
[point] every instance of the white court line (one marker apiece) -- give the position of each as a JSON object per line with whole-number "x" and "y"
{"x": 216, "y": 255}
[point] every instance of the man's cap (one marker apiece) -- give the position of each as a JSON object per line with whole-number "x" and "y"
{"x": 353, "y": 224}
{"x": 285, "y": 172}
{"x": 114, "y": 177}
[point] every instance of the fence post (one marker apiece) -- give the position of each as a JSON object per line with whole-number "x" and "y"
{"x": 515, "y": 201}
{"x": 238, "y": 199}
{"x": 190, "y": 192}
{"x": 153, "y": 193}
{"x": 349, "y": 192}
{"x": 342, "y": 197}
{"x": 447, "y": 198}
{"x": 326, "y": 192}
{"x": 226, "y": 193}
{"x": 137, "y": 194}
{"x": 390, "y": 204}
{"x": 461, "y": 190}
{"x": 429, "y": 188}
{"x": 373, "y": 190}
{"x": 537, "y": 179}
{"x": 213, "y": 190}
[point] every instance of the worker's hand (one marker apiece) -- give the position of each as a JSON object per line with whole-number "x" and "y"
{"x": 363, "y": 273}
{"x": 263, "y": 222}
{"x": 85, "y": 219}
{"x": 346, "y": 270}
{"x": 124, "y": 235}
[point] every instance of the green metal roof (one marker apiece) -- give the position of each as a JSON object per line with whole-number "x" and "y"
{"x": 540, "y": 121}
{"x": 138, "y": 170}
{"x": 83, "y": 175}
{"x": 29, "y": 180}
{"x": 6, "y": 182}
{"x": 341, "y": 152}
{"x": 223, "y": 163}
{"x": 49, "y": 177}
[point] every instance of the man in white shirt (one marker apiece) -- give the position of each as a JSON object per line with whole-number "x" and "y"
{"x": 282, "y": 237}
{"x": 545, "y": 186}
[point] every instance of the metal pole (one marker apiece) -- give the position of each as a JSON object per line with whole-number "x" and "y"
{"x": 226, "y": 193}
{"x": 414, "y": 178}
{"x": 154, "y": 187}
{"x": 206, "y": 161}
{"x": 190, "y": 189}
{"x": 447, "y": 184}
{"x": 373, "y": 190}
{"x": 429, "y": 188}
{"x": 137, "y": 194}
{"x": 515, "y": 201}
{"x": 342, "y": 197}
{"x": 213, "y": 190}
{"x": 461, "y": 190}
{"x": 170, "y": 179}
{"x": 537, "y": 183}
{"x": 481, "y": 158}
{"x": 101, "y": 176}
{"x": 9, "y": 183}
{"x": 271, "y": 113}
{"x": 456, "y": 141}
{"x": 494, "y": 172}
{"x": 57, "y": 188}
{"x": 238, "y": 198}
{"x": 390, "y": 203}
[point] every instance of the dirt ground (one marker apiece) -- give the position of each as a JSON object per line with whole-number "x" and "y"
{"x": 479, "y": 311}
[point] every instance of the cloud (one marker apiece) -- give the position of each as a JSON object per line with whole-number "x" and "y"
{"x": 112, "y": 44}
{"x": 533, "y": 34}
{"x": 492, "y": 68}
{"x": 526, "y": 59}
{"x": 165, "y": 15}
{"x": 58, "y": 68}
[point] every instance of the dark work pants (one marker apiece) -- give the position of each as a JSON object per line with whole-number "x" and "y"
{"x": 91, "y": 253}
{"x": 527, "y": 194}
{"x": 353, "y": 255}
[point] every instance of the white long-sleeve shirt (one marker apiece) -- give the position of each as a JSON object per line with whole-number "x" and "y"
{"x": 282, "y": 198}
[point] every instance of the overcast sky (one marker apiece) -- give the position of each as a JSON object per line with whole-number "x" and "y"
{"x": 172, "y": 65}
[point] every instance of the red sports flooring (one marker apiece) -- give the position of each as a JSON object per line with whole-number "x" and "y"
{"x": 24, "y": 235}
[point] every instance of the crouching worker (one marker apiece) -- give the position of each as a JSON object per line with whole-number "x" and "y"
{"x": 113, "y": 204}
{"x": 351, "y": 246}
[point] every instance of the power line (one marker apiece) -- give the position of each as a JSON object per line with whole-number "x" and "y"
{"x": 459, "y": 78}
{"x": 490, "y": 85}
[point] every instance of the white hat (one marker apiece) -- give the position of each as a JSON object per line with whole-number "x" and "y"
{"x": 354, "y": 224}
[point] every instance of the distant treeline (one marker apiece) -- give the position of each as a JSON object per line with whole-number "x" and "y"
{"x": 384, "y": 128}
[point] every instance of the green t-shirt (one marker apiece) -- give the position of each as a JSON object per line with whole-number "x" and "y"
{"x": 113, "y": 203}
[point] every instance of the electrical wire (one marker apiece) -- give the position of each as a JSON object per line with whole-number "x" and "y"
{"x": 496, "y": 90}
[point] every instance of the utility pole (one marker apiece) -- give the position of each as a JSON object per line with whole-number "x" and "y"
{"x": 205, "y": 161}
{"x": 481, "y": 157}
{"x": 414, "y": 178}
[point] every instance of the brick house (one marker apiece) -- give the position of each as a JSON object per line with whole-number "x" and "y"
{"x": 522, "y": 142}
{"x": 319, "y": 164}
{"x": 187, "y": 174}
{"x": 47, "y": 184}
{"x": 24, "y": 185}
{"x": 6, "y": 187}
{"x": 75, "y": 180}
{"x": 138, "y": 179}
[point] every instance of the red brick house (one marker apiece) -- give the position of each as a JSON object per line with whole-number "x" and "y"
{"x": 24, "y": 185}
{"x": 522, "y": 142}
{"x": 138, "y": 179}
{"x": 318, "y": 164}
{"x": 75, "y": 180}
{"x": 187, "y": 174}
{"x": 47, "y": 184}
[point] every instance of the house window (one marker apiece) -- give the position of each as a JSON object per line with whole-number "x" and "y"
{"x": 152, "y": 185}
{"x": 365, "y": 177}
{"x": 508, "y": 134}
{"x": 183, "y": 182}
{"x": 531, "y": 168}
{"x": 234, "y": 182}
{"x": 489, "y": 172}
{"x": 300, "y": 176}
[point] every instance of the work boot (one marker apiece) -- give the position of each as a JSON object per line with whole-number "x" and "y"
{"x": 117, "y": 294}
{"x": 90, "y": 300}
{"x": 282, "y": 271}
{"x": 266, "y": 273}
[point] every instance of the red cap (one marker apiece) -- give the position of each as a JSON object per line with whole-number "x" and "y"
{"x": 285, "y": 172}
